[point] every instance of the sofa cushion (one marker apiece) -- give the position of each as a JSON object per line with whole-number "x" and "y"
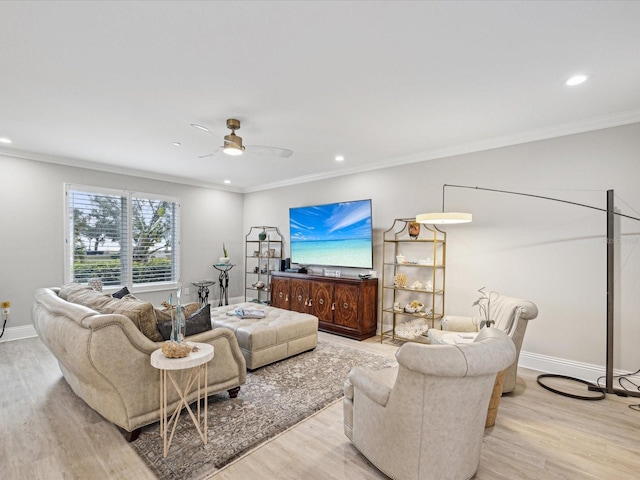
{"x": 165, "y": 314}
{"x": 139, "y": 312}
{"x": 199, "y": 322}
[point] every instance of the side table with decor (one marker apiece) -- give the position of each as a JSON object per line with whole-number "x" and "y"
{"x": 197, "y": 363}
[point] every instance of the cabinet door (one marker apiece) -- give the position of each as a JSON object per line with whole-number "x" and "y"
{"x": 345, "y": 299}
{"x": 280, "y": 292}
{"x": 321, "y": 300}
{"x": 299, "y": 295}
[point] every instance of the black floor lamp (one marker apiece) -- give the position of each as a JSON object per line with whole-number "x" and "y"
{"x": 457, "y": 217}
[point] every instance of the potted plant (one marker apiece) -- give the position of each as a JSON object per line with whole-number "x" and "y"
{"x": 225, "y": 255}
{"x": 484, "y": 307}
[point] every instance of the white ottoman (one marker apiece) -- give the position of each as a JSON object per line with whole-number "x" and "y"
{"x": 280, "y": 334}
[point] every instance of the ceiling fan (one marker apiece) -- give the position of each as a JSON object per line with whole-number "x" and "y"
{"x": 233, "y": 143}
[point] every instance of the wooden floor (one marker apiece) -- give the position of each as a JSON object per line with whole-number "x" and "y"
{"x": 48, "y": 433}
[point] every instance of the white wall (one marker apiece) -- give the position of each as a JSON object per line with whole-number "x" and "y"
{"x": 548, "y": 252}
{"x": 32, "y": 239}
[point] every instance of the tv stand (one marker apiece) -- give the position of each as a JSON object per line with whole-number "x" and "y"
{"x": 344, "y": 306}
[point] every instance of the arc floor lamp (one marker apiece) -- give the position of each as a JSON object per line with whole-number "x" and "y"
{"x": 459, "y": 217}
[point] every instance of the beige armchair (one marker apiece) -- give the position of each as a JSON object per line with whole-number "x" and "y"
{"x": 511, "y": 315}
{"x": 424, "y": 420}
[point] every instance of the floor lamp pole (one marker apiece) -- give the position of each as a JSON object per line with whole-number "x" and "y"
{"x": 610, "y": 292}
{"x": 610, "y": 211}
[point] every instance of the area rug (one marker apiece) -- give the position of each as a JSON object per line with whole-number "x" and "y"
{"x": 275, "y": 398}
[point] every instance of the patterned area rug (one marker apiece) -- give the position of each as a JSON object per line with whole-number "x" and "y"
{"x": 275, "y": 398}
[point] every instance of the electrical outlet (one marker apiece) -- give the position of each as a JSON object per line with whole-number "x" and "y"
{"x": 187, "y": 291}
{"x": 6, "y": 306}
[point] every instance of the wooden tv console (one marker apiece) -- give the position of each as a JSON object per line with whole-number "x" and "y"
{"x": 344, "y": 306}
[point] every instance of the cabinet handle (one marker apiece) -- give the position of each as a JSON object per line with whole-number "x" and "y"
{"x": 311, "y": 302}
{"x": 280, "y": 294}
{"x": 287, "y": 298}
{"x": 299, "y": 298}
{"x": 321, "y": 301}
{"x": 345, "y": 305}
{"x": 333, "y": 306}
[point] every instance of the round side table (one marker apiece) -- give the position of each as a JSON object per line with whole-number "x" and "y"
{"x": 203, "y": 290}
{"x": 196, "y": 362}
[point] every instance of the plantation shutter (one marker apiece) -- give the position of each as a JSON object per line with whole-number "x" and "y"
{"x": 98, "y": 246}
{"x": 121, "y": 238}
{"x": 154, "y": 241}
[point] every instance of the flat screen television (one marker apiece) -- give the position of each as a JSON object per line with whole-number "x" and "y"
{"x": 335, "y": 234}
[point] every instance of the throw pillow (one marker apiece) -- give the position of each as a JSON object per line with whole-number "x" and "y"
{"x": 139, "y": 312}
{"x": 197, "y": 323}
{"x": 121, "y": 293}
{"x": 165, "y": 314}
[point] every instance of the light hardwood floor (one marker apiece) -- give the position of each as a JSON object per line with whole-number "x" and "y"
{"x": 48, "y": 433}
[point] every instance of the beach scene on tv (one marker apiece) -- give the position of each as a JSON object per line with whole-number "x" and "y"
{"x": 336, "y": 234}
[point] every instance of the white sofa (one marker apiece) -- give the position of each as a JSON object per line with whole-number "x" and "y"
{"x": 105, "y": 358}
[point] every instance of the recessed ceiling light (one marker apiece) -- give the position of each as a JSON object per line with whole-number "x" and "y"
{"x": 177, "y": 144}
{"x": 339, "y": 158}
{"x": 576, "y": 80}
{"x": 5, "y": 140}
{"x": 227, "y": 181}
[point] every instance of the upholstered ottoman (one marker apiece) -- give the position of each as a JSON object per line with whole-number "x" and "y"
{"x": 280, "y": 334}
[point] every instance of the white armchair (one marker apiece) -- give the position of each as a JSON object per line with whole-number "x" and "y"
{"x": 511, "y": 315}
{"x": 424, "y": 420}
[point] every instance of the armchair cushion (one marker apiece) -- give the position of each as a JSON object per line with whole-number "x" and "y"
{"x": 376, "y": 385}
{"x": 511, "y": 315}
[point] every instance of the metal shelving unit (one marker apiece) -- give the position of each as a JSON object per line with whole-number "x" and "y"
{"x": 416, "y": 253}
{"x": 263, "y": 254}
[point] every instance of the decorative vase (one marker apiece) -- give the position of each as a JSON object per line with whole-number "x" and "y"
{"x": 178, "y": 323}
{"x": 224, "y": 259}
{"x": 262, "y": 236}
{"x": 414, "y": 230}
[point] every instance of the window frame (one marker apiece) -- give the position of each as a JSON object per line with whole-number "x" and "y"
{"x": 128, "y": 195}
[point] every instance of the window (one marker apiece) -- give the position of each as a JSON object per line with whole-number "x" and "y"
{"x": 121, "y": 238}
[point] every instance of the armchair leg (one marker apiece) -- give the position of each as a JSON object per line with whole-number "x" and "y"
{"x": 233, "y": 392}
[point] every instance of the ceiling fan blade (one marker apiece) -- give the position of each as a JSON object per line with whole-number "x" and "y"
{"x": 205, "y": 129}
{"x": 273, "y": 151}
{"x": 212, "y": 154}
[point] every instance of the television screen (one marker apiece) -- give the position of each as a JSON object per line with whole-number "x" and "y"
{"x": 335, "y": 234}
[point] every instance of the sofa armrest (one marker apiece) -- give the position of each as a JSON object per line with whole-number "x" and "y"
{"x": 364, "y": 380}
{"x": 456, "y": 323}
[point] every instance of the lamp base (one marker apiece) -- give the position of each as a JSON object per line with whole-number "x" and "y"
{"x": 571, "y": 395}
{"x": 618, "y": 391}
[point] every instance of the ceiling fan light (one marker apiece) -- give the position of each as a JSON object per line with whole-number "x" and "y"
{"x": 443, "y": 218}
{"x": 232, "y": 145}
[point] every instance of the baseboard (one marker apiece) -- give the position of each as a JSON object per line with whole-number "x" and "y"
{"x": 561, "y": 366}
{"x": 18, "y": 333}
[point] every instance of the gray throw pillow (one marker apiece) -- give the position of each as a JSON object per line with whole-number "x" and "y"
{"x": 197, "y": 323}
{"x": 120, "y": 293}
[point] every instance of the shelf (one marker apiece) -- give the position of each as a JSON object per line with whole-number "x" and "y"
{"x": 420, "y": 290}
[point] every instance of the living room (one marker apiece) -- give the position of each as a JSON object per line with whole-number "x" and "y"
{"x": 549, "y": 253}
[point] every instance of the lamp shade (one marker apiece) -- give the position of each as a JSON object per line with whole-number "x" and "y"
{"x": 444, "y": 218}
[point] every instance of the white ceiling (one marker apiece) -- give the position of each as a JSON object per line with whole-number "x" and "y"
{"x": 114, "y": 84}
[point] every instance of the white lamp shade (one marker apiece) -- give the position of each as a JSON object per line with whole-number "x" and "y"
{"x": 440, "y": 218}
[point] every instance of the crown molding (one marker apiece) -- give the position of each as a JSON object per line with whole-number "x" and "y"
{"x": 561, "y": 130}
{"x": 556, "y": 131}
{"x": 102, "y": 167}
